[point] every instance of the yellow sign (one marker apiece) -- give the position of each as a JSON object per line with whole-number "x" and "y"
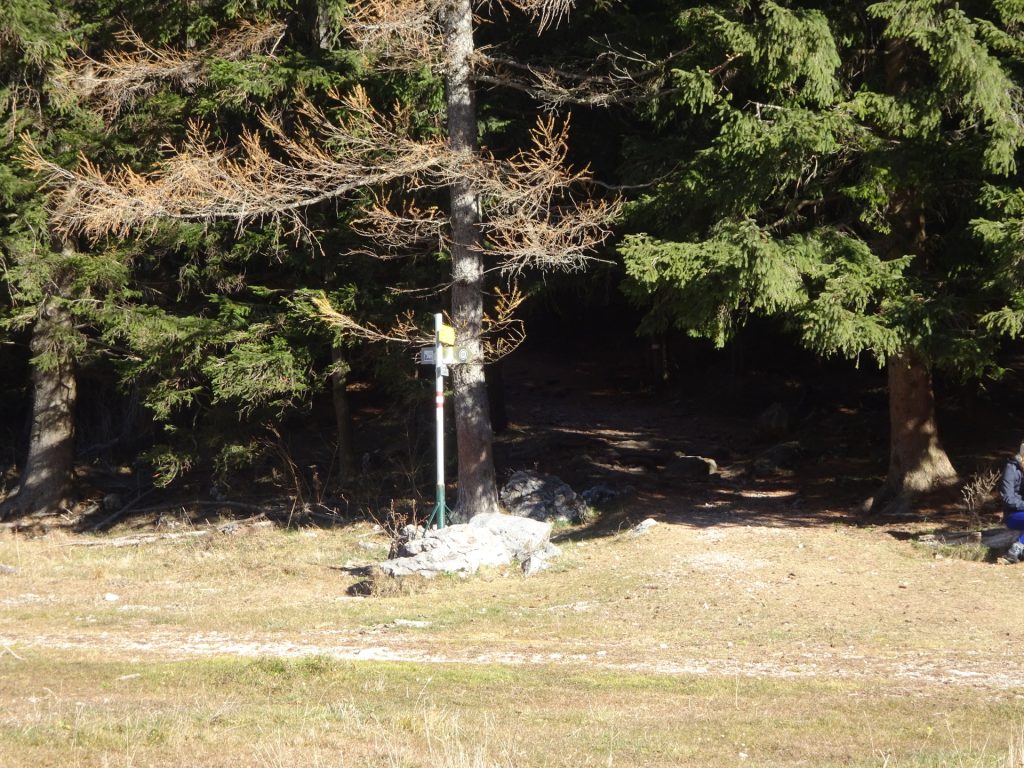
{"x": 446, "y": 335}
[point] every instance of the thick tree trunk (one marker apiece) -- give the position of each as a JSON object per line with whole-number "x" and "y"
{"x": 346, "y": 456}
{"x": 495, "y": 375}
{"x": 46, "y": 478}
{"x": 477, "y": 483}
{"x": 917, "y": 461}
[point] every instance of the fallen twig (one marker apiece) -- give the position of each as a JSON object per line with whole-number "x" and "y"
{"x": 119, "y": 513}
{"x": 146, "y": 538}
{"x": 8, "y": 650}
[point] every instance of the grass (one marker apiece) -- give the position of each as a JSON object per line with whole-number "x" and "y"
{"x": 315, "y": 711}
{"x": 978, "y": 553}
{"x": 229, "y": 651}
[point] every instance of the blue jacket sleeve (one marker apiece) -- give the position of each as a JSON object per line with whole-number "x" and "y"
{"x": 1009, "y": 487}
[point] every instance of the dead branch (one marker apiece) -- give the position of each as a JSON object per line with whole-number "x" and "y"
{"x": 556, "y": 87}
{"x": 204, "y": 182}
{"x": 404, "y": 332}
{"x": 148, "y": 538}
{"x": 6, "y": 650}
{"x": 404, "y": 34}
{"x": 532, "y": 217}
{"x": 503, "y": 331}
{"x": 118, "y": 514}
{"x": 399, "y": 233}
{"x": 612, "y": 77}
{"x": 132, "y": 541}
{"x": 562, "y": 239}
{"x": 544, "y": 13}
{"x": 123, "y": 77}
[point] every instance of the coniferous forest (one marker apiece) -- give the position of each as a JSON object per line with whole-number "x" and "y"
{"x": 225, "y": 228}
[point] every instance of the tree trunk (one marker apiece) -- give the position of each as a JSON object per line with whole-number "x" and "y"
{"x": 917, "y": 461}
{"x": 494, "y": 373}
{"x": 477, "y": 484}
{"x": 346, "y": 456}
{"x": 46, "y": 478}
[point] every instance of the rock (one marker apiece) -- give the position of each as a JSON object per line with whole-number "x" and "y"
{"x": 110, "y": 597}
{"x": 9, "y": 569}
{"x": 601, "y": 495}
{"x": 542, "y": 497}
{"x": 540, "y": 560}
{"x": 999, "y": 538}
{"x": 535, "y": 564}
{"x": 690, "y": 468}
{"x": 411, "y": 623}
{"x": 643, "y": 527}
{"x": 521, "y": 536}
{"x": 773, "y": 422}
{"x": 486, "y": 540}
{"x": 778, "y": 458}
{"x": 456, "y": 549}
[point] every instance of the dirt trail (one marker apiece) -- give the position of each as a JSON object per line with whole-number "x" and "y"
{"x": 733, "y": 599}
{"x": 911, "y": 670}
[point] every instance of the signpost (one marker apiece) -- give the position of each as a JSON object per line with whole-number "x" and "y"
{"x": 442, "y": 354}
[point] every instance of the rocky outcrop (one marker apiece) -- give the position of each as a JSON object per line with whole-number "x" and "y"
{"x": 543, "y": 497}
{"x": 486, "y": 540}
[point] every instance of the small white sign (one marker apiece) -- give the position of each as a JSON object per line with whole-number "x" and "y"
{"x": 428, "y": 356}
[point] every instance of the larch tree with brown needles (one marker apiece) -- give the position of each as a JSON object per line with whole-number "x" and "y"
{"x": 502, "y": 214}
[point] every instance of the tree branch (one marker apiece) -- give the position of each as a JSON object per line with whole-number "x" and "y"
{"x": 122, "y": 78}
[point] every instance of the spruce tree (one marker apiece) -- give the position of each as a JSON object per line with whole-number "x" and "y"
{"x": 209, "y": 334}
{"x": 46, "y": 277}
{"x": 826, "y": 161}
{"x": 518, "y": 211}
{"x": 195, "y": 319}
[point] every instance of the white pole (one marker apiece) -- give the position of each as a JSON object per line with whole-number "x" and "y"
{"x": 439, "y": 505}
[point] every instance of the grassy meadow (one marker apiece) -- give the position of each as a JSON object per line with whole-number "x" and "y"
{"x": 688, "y": 646}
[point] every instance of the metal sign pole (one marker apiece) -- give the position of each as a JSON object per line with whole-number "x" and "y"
{"x": 439, "y": 372}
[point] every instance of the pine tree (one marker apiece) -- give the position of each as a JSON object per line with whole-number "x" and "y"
{"x": 44, "y": 272}
{"x": 209, "y": 334}
{"x": 179, "y": 311}
{"x": 830, "y": 160}
{"x": 519, "y": 212}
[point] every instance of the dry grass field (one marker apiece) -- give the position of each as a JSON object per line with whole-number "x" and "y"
{"x": 762, "y": 622}
{"x": 712, "y": 640}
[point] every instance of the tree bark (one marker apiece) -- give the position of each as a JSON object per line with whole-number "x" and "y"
{"x": 473, "y": 434}
{"x": 917, "y": 461}
{"x": 346, "y": 456}
{"x": 46, "y": 478}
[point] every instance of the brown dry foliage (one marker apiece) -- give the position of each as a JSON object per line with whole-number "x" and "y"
{"x": 202, "y": 181}
{"x": 532, "y": 217}
{"x": 114, "y": 84}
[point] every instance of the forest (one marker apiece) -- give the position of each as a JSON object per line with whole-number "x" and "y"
{"x": 226, "y": 226}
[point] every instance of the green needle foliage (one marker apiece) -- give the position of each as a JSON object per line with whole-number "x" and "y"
{"x": 197, "y": 320}
{"x": 831, "y": 163}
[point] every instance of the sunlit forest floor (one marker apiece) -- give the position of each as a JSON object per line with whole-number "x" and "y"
{"x": 765, "y": 620}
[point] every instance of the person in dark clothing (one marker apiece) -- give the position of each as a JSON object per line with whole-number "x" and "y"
{"x": 1010, "y": 492}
